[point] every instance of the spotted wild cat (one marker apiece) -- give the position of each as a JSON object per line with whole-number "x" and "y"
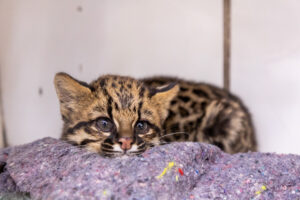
{"x": 116, "y": 115}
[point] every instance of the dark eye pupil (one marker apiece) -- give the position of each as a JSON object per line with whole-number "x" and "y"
{"x": 140, "y": 125}
{"x": 105, "y": 125}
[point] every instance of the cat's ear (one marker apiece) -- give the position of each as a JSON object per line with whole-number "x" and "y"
{"x": 70, "y": 91}
{"x": 163, "y": 95}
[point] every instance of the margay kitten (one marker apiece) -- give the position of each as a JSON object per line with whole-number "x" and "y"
{"x": 116, "y": 115}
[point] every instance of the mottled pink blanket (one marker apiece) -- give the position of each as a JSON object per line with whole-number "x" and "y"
{"x": 52, "y": 169}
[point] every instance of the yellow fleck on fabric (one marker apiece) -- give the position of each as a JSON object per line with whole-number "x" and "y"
{"x": 263, "y": 187}
{"x": 170, "y": 165}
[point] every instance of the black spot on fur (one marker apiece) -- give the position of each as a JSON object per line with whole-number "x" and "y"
{"x": 160, "y": 82}
{"x": 210, "y": 131}
{"x": 129, "y": 86}
{"x": 218, "y": 128}
{"x": 173, "y": 102}
{"x": 199, "y": 119}
{"x": 183, "y": 112}
{"x": 102, "y": 83}
{"x": 219, "y": 144}
{"x": 186, "y": 136}
{"x": 191, "y": 123}
{"x": 171, "y": 114}
{"x": 116, "y": 106}
{"x": 183, "y": 89}
{"x": 174, "y": 127}
{"x": 122, "y": 88}
{"x": 200, "y": 93}
{"x": 113, "y": 85}
{"x": 167, "y": 140}
{"x": 184, "y": 98}
{"x": 141, "y": 93}
{"x": 187, "y": 127}
{"x": 193, "y": 105}
{"x": 177, "y": 136}
{"x": 147, "y": 112}
{"x": 203, "y": 105}
{"x": 87, "y": 130}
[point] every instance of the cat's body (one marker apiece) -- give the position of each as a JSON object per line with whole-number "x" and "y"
{"x": 208, "y": 114}
{"x": 117, "y": 115}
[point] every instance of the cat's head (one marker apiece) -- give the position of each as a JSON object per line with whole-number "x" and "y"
{"x": 113, "y": 115}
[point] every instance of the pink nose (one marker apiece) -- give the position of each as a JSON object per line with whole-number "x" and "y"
{"x": 125, "y": 142}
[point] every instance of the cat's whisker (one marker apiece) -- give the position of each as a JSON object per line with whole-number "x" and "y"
{"x": 109, "y": 150}
{"x": 141, "y": 145}
{"x": 112, "y": 153}
{"x": 164, "y": 142}
{"x": 135, "y": 152}
{"x": 107, "y": 146}
{"x": 175, "y": 133}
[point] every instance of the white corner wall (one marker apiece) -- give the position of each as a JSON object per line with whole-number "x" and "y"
{"x": 266, "y": 69}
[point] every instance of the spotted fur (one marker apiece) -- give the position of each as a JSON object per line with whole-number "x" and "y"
{"x": 116, "y": 115}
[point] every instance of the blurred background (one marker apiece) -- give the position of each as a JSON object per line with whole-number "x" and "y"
{"x": 143, "y": 38}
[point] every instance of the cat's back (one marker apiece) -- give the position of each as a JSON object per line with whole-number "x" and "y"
{"x": 191, "y": 90}
{"x": 208, "y": 114}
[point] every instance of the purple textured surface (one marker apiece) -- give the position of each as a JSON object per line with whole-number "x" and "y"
{"x": 52, "y": 169}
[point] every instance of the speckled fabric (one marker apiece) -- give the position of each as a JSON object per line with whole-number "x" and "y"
{"x": 52, "y": 169}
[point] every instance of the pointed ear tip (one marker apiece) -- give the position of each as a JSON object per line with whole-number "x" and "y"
{"x": 60, "y": 75}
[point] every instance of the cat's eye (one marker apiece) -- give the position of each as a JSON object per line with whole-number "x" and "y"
{"x": 105, "y": 125}
{"x": 141, "y": 127}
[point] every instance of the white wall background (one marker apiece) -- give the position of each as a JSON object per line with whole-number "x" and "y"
{"x": 143, "y": 38}
{"x": 266, "y": 69}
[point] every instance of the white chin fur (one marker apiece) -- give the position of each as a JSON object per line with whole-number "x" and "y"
{"x": 133, "y": 148}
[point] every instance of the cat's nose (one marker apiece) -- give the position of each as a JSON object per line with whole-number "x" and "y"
{"x": 126, "y": 142}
